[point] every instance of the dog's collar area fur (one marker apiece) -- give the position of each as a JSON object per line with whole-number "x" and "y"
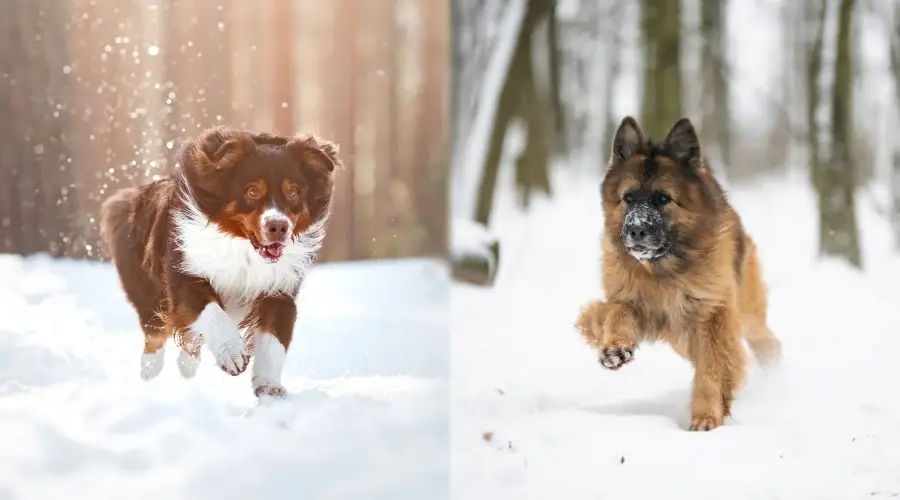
{"x": 232, "y": 265}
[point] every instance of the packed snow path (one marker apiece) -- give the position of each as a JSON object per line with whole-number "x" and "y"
{"x": 534, "y": 416}
{"x": 366, "y": 418}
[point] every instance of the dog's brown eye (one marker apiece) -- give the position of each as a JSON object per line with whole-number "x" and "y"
{"x": 663, "y": 198}
{"x": 629, "y": 197}
{"x": 253, "y": 192}
{"x": 292, "y": 194}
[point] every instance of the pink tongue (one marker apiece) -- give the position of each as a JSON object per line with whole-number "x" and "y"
{"x": 274, "y": 250}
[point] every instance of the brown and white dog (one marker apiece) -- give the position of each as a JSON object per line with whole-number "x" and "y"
{"x": 215, "y": 253}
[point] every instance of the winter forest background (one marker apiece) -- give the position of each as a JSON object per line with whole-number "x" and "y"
{"x": 797, "y": 105}
{"x": 99, "y": 94}
{"x": 776, "y": 87}
{"x": 488, "y": 122}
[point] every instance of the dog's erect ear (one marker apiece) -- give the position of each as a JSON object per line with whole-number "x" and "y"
{"x": 628, "y": 141}
{"x": 683, "y": 142}
{"x": 216, "y": 150}
{"x": 317, "y": 153}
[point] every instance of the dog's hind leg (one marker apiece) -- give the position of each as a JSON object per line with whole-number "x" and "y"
{"x": 139, "y": 290}
{"x": 753, "y": 298}
{"x": 126, "y": 249}
{"x": 155, "y": 336}
{"x": 765, "y": 346}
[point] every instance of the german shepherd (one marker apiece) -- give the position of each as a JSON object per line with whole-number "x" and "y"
{"x": 677, "y": 267}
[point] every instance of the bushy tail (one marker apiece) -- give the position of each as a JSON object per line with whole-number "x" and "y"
{"x": 765, "y": 346}
{"x": 114, "y": 214}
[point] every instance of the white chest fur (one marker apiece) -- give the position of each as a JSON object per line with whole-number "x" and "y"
{"x": 232, "y": 266}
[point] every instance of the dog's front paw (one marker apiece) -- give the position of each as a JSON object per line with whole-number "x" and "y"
{"x": 227, "y": 347}
{"x": 614, "y": 357}
{"x": 231, "y": 357}
{"x": 705, "y": 423}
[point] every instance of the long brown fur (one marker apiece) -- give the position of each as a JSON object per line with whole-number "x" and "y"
{"x": 703, "y": 297}
{"x": 231, "y": 177}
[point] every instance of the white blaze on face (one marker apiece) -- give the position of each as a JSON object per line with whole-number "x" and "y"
{"x": 273, "y": 215}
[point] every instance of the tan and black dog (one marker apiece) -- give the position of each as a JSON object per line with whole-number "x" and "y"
{"x": 677, "y": 267}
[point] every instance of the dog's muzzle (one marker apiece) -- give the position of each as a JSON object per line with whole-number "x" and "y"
{"x": 643, "y": 232}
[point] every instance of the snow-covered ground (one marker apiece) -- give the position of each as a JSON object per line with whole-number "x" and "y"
{"x": 534, "y": 416}
{"x": 367, "y": 417}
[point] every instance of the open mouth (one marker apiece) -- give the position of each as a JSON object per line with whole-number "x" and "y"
{"x": 642, "y": 252}
{"x": 271, "y": 253}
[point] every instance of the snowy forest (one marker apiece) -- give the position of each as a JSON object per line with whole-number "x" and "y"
{"x": 100, "y": 94}
{"x": 808, "y": 88}
{"x": 797, "y": 104}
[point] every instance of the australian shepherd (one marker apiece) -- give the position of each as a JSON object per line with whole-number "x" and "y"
{"x": 215, "y": 253}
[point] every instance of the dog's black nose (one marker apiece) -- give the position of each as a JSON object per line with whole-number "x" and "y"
{"x": 638, "y": 233}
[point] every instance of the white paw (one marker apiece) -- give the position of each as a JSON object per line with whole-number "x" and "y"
{"x": 152, "y": 364}
{"x": 268, "y": 354}
{"x": 188, "y": 364}
{"x": 275, "y": 391}
{"x": 223, "y": 339}
{"x": 229, "y": 352}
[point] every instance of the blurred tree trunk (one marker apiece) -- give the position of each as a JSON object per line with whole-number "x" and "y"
{"x": 895, "y": 171}
{"x": 716, "y": 123}
{"x": 520, "y": 97}
{"x": 457, "y": 55}
{"x": 815, "y": 20}
{"x": 37, "y": 200}
{"x": 661, "y": 30}
{"x": 560, "y": 140}
{"x": 612, "y": 71}
{"x": 614, "y": 67}
{"x": 836, "y": 177}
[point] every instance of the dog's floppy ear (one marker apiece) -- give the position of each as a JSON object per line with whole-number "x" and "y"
{"x": 628, "y": 141}
{"x": 316, "y": 152}
{"x": 216, "y": 150}
{"x": 683, "y": 142}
